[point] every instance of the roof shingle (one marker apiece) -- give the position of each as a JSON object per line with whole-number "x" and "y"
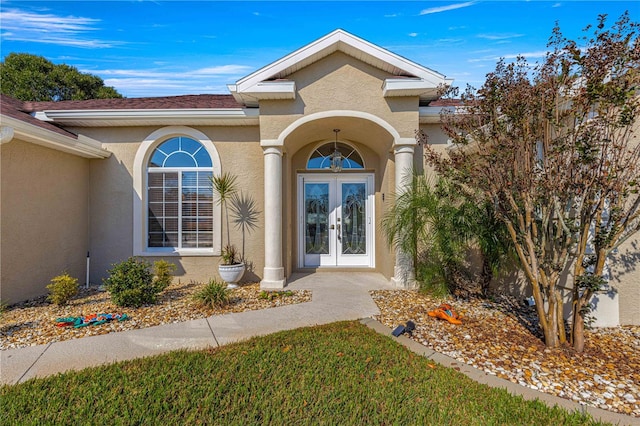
{"x": 15, "y": 108}
{"x": 166, "y": 102}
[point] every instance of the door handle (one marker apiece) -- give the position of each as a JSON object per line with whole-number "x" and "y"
{"x": 339, "y": 236}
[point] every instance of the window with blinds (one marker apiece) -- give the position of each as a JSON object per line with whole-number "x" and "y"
{"x": 179, "y": 195}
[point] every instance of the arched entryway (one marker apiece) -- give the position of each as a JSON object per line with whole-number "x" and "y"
{"x": 300, "y": 234}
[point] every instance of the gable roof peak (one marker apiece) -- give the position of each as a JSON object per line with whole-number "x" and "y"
{"x": 270, "y": 81}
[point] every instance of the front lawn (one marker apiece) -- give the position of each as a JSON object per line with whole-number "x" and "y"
{"x": 342, "y": 373}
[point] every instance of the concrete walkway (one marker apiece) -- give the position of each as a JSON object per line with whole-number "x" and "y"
{"x": 336, "y": 297}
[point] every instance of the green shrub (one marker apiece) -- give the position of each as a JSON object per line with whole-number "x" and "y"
{"x": 214, "y": 295}
{"x": 62, "y": 288}
{"x": 131, "y": 283}
{"x": 163, "y": 273}
{"x": 270, "y": 295}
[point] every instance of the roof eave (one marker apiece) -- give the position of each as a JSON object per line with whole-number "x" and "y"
{"x": 82, "y": 146}
{"x": 265, "y": 90}
{"x": 124, "y": 117}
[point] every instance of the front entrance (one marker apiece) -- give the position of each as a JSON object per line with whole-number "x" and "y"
{"x": 335, "y": 217}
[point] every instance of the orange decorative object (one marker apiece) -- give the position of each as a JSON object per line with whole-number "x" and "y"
{"x": 446, "y": 312}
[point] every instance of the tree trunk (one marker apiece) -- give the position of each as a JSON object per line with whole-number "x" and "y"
{"x": 560, "y": 313}
{"x": 577, "y": 332}
{"x": 486, "y": 276}
{"x": 551, "y": 335}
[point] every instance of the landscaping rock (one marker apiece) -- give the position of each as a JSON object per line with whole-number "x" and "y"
{"x": 34, "y": 322}
{"x": 502, "y": 337}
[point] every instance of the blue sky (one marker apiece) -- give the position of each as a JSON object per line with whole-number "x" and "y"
{"x": 163, "y": 48}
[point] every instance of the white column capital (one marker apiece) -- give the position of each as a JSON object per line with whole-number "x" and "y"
{"x": 268, "y": 150}
{"x": 404, "y": 142}
{"x": 270, "y": 142}
{"x": 404, "y": 149}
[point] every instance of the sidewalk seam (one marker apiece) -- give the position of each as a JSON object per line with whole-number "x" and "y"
{"x": 212, "y": 333}
{"x": 34, "y": 363}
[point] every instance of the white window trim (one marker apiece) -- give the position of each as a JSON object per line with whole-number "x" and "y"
{"x": 140, "y": 224}
{"x": 330, "y": 142}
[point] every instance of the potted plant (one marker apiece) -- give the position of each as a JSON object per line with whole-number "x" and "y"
{"x": 231, "y": 268}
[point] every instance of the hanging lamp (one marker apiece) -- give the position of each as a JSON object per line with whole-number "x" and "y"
{"x": 336, "y": 156}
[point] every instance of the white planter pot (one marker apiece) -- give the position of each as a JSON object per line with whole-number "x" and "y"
{"x": 231, "y": 274}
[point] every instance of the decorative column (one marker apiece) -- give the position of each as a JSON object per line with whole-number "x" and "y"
{"x": 273, "y": 277}
{"x": 403, "y": 150}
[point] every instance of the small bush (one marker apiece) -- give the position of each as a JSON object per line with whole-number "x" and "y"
{"x": 163, "y": 273}
{"x": 213, "y": 295}
{"x": 131, "y": 283}
{"x": 270, "y": 295}
{"x": 3, "y": 308}
{"x": 62, "y": 288}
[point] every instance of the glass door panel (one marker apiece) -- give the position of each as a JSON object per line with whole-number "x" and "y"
{"x": 353, "y": 220}
{"x": 316, "y": 218}
{"x": 335, "y": 220}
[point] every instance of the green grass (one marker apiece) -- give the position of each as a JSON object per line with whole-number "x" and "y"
{"x": 342, "y": 373}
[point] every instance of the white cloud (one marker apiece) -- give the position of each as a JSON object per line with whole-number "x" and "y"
{"x": 222, "y": 69}
{"x": 557, "y": 5}
{"x": 412, "y": 34}
{"x": 47, "y": 28}
{"x": 450, "y": 40}
{"x": 170, "y": 81}
{"x": 446, "y": 8}
{"x": 527, "y": 55}
{"x": 499, "y": 37}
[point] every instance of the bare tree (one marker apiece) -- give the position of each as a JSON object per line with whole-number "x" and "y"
{"x": 552, "y": 147}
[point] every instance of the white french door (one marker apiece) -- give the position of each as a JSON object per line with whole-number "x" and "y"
{"x": 335, "y": 217}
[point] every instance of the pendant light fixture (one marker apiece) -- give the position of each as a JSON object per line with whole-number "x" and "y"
{"x": 336, "y": 156}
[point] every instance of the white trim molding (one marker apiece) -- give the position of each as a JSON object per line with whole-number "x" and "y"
{"x": 146, "y": 117}
{"x": 81, "y": 146}
{"x": 339, "y": 113}
{"x": 140, "y": 194}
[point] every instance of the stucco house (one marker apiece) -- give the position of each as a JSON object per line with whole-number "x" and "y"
{"x": 319, "y": 141}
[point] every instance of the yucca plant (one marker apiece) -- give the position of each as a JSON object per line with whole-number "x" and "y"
{"x": 224, "y": 186}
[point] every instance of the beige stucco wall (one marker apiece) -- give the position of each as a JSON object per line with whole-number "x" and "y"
{"x": 626, "y": 280}
{"x": 339, "y": 82}
{"x": 111, "y": 201}
{"x": 44, "y": 218}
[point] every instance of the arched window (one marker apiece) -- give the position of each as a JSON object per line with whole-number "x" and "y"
{"x": 179, "y": 195}
{"x": 321, "y": 157}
